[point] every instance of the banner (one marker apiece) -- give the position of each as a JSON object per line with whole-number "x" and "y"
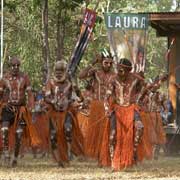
{"x": 127, "y": 34}
{"x": 86, "y": 30}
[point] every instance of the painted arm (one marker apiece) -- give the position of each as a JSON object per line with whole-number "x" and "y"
{"x": 30, "y": 102}
{"x": 108, "y": 99}
{"x": 48, "y": 93}
{"x": 90, "y": 70}
{"x": 177, "y": 86}
{"x": 87, "y": 72}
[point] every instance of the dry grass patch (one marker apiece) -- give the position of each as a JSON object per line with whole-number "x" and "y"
{"x": 166, "y": 168}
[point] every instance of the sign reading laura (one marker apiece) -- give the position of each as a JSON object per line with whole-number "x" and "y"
{"x": 126, "y": 21}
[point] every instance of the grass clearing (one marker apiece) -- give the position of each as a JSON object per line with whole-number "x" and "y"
{"x": 166, "y": 168}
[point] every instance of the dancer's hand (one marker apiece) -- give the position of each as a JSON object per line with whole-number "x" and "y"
{"x": 108, "y": 113}
{"x": 97, "y": 59}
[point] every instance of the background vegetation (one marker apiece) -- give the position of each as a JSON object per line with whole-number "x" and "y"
{"x": 41, "y": 32}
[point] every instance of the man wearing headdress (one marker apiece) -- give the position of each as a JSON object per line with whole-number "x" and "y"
{"x": 124, "y": 128}
{"x": 65, "y": 135}
{"x": 101, "y": 77}
{"x": 16, "y": 113}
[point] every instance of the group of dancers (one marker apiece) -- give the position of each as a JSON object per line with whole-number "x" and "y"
{"x": 115, "y": 119}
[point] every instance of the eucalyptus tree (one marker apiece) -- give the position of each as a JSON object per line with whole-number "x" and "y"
{"x": 31, "y": 32}
{"x": 22, "y": 37}
{"x": 24, "y": 29}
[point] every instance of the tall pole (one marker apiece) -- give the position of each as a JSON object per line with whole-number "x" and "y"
{"x": 1, "y": 62}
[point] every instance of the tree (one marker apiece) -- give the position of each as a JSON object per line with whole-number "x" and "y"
{"x": 24, "y": 29}
{"x": 45, "y": 48}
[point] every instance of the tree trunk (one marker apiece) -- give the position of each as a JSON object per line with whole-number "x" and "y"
{"x": 61, "y": 26}
{"x": 45, "y": 48}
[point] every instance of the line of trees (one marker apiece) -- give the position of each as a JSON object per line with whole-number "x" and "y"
{"x": 41, "y": 32}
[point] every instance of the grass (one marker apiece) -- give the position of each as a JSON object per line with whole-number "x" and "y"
{"x": 166, "y": 168}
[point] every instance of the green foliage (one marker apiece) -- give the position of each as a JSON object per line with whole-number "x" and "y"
{"x": 23, "y": 31}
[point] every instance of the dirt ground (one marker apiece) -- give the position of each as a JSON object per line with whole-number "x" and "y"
{"x": 166, "y": 168}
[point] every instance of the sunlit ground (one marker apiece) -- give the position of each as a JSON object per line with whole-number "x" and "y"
{"x": 166, "y": 168}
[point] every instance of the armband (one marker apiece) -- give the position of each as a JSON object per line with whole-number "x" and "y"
{"x": 106, "y": 108}
{"x": 52, "y": 101}
{"x": 47, "y": 93}
{"x": 28, "y": 88}
{"x": 108, "y": 92}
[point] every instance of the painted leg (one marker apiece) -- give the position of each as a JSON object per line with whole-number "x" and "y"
{"x": 18, "y": 138}
{"x": 112, "y": 140}
{"x": 55, "y": 152}
{"x": 68, "y": 134}
{"x": 5, "y": 143}
{"x": 137, "y": 137}
{"x": 156, "y": 151}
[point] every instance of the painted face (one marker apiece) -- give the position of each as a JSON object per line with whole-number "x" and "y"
{"x": 107, "y": 64}
{"x": 122, "y": 71}
{"x": 155, "y": 87}
{"x": 60, "y": 73}
{"x": 15, "y": 64}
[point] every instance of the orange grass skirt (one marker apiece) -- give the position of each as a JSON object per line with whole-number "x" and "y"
{"x": 41, "y": 124}
{"x": 58, "y": 119}
{"x": 124, "y": 147}
{"x": 145, "y": 148}
{"x": 95, "y": 129}
{"x": 83, "y": 123}
{"x": 30, "y": 136}
{"x": 156, "y": 130}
